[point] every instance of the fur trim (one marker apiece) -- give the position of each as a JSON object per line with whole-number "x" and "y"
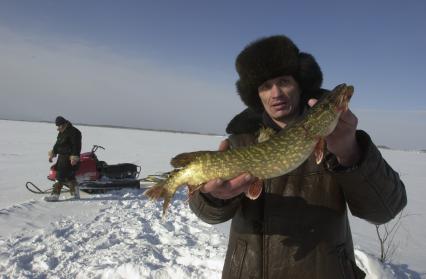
{"x": 309, "y": 76}
{"x": 272, "y": 57}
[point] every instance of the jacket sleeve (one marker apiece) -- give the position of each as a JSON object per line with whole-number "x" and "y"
{"x": 75, "y": 139}
{"x": 55, "y": 146}
{"x": 213, "y": 210}
{"x": 373, "y": 190}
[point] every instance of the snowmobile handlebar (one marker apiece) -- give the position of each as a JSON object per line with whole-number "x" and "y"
{"x": 96, "y": 147}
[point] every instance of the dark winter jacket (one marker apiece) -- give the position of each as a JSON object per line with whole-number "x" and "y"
{"x": 68, "y": 142}
{"x": 298, "y": 227}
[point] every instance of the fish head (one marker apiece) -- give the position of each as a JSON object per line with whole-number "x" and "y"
{"x": 326, "y": 112}
{"x": 338, "y": 99}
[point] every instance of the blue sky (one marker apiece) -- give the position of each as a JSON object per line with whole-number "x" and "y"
{"x": 170, "y": 64}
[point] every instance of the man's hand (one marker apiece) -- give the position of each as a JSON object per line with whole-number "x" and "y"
{"x": 74, "y": 160}
{"x": 51, "y": 155}
{"x": 230, "y": 188}
{"x": 342, "y": 141}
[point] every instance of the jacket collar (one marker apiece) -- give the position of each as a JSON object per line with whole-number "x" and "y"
{"x": 268, "y": 122}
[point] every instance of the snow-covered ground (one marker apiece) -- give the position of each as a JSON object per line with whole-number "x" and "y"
{"x": 122, "y": 235}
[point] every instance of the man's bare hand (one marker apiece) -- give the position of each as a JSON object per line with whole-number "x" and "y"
{"x": 50, "y": 156}
{"x": 342, "y": 141}
{"x": 74, "y": 160}
{"x": 230, "y": 188}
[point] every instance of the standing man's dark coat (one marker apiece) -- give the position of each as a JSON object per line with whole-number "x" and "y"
{"x": 68, "y": 143}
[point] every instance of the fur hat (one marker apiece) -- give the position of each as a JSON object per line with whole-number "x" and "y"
{"x": 272, "y": 57}
{"x": 60, "y": 120}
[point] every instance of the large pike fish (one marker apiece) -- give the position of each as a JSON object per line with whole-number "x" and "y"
{"x": 280, "y": 154}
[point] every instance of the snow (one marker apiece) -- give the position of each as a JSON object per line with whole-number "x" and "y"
{"x": 122, "y": 235}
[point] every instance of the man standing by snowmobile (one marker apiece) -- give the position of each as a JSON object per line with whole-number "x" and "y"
{"x": 67, "y": 147}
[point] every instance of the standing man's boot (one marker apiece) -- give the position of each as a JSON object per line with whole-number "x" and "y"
{"x": 56, "y": 191}
{"x": 74, "y": 189}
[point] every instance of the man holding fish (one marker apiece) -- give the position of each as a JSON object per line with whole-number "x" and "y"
{"x": 296, "y": 225}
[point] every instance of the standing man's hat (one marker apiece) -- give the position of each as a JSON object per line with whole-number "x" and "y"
{"x": 60, "y": 120}
{"x": 272, "y": 57}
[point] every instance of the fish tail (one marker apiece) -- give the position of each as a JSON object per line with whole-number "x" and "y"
{"x": 156, "y": 192}
{"x": 161, "y": 191}
{"x": 167, "y": 199}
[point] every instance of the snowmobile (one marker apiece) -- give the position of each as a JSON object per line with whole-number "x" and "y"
{"x": 95, "y": 176}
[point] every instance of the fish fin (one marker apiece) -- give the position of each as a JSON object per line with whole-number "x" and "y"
{"x": 166, "y": 203}
{"x": 183, "y": 159}
{"x": 192, "y": 189}
{"x": 255, "y": 189}
{"x": 319, "y": 150}
{"x": 156, "y": 178}
{"x": 265, "y": 133}
{"x": 163, "y": 189}
{"x": 157, "y": 191}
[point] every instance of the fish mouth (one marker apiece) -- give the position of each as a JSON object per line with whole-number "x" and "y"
{"x": 345, "y": 95}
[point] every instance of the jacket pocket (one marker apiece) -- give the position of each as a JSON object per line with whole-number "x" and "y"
{"x": 237, "y": 259}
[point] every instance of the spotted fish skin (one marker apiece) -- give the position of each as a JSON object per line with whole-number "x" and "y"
{"x": 280, "y": 154}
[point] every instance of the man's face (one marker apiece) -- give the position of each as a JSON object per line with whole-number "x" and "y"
{"x": 61, "y": 128}
{"x": 280, "y": 97}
